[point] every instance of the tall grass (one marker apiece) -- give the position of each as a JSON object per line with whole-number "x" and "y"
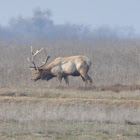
{"x": 70, "y": 105}
{"x": 113, "y": 62}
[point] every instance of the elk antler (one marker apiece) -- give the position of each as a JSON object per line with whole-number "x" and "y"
{"x": 33, "y": 56}
{"x": 47, "y": 57}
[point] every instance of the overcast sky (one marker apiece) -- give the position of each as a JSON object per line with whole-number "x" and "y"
{"x": 94, "y": 13}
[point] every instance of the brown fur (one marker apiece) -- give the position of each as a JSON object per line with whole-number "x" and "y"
{"x": 62, "y": 67}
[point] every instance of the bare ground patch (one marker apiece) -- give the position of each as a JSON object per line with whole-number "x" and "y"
{"x": 114, "y": 88}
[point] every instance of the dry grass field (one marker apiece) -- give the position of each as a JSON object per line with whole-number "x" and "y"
{"x": 69, "y": 114}
{"x": 110, "y": 110}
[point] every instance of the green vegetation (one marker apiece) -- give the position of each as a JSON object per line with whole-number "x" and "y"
{"x": 68, "y": 130}
{"x": 69, "y": 114}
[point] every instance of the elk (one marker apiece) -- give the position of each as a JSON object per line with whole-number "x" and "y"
{"x": 61, "y": 67}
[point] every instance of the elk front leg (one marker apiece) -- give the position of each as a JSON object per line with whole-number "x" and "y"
{"x": 60, "y": 79}
{"x": 66, "y": 80}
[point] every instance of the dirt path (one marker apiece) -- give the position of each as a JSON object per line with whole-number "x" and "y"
{"x": 114, "y": 88}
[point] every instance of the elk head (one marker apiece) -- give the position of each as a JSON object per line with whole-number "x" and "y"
{"x": 38, "y": 69}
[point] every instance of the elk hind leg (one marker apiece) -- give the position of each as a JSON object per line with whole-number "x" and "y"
{"x": 84, "y": 75}
{"x": 89, "y": 79}
{"x": 85, "y": 82}
{"x": 84, "y": 78}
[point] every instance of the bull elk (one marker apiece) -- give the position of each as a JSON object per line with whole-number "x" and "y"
{"x": 61, "y": 67}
